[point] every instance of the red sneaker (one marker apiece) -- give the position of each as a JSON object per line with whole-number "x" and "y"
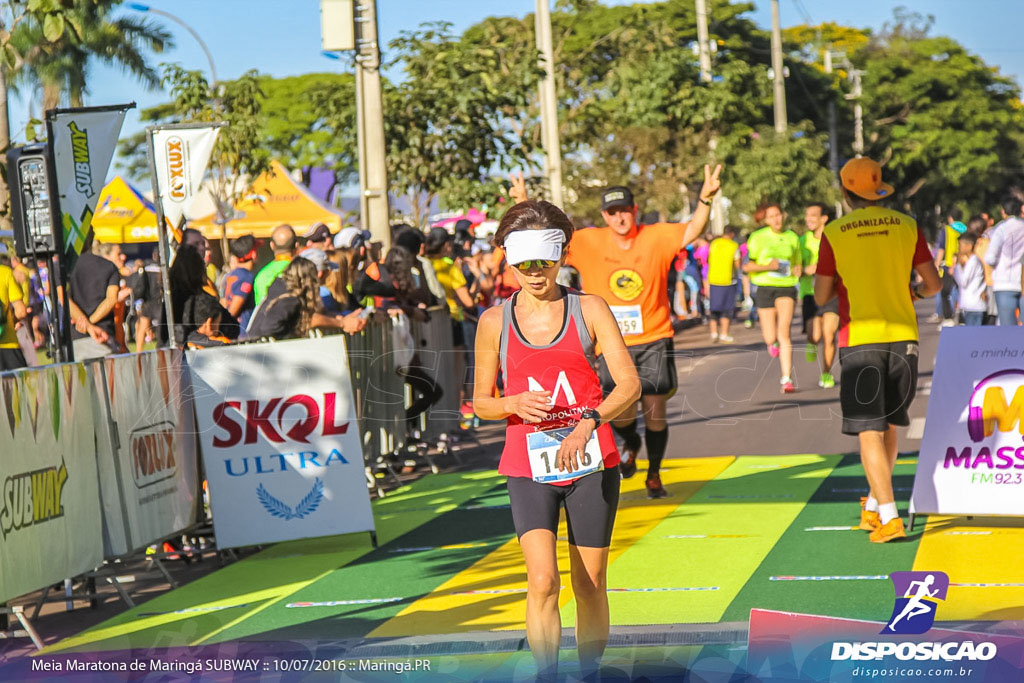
{"x": 654, "y": 487}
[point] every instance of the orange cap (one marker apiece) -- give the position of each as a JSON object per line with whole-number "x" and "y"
{"x": 863, "y": 177}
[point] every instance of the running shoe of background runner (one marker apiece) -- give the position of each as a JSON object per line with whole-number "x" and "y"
{"x": 725, "y": 339}
{"x": 787, "y": 385}
{"x": 773, "y": 350}
{"x": 811, "y": 353}
{"x": 827, "y": 381}
{"x": 628, "y": 466}
{"x": 889, "y": 531}
{"x": 654, "y": 487}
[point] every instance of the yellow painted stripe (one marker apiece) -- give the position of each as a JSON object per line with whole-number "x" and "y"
{"x": 982, "y": 550}
{"x": 503, "y": 569}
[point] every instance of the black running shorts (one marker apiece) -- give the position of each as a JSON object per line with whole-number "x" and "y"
{"x": 878, "y": 384}
{"x": 590, "y": 505}
{"x": 765, "y": 297}
{"x": 813, "y": 310}
{"x": 655, "y": 364}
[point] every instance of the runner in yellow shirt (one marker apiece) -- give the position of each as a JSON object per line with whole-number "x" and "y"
{"x": 723, "y": 268}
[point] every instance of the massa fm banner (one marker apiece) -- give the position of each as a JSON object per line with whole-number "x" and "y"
{"x": 49, "y": 496}
{"x": 280, "y": 441}
{"x": 84, "y": 141}
{"x": 972, "y": 454}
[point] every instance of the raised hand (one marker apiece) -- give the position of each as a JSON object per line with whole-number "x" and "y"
{"x": 712, "y": 182}
{"x": 518, "y": 190}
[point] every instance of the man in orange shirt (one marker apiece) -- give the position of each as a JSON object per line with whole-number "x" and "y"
{"x": 627, "y": 265}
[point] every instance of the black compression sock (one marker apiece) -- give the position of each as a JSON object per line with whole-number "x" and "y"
{"x": 629, "y": 435}
{"x": 656, "y": 442}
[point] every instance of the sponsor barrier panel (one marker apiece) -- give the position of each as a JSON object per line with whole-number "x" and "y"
{"x": 280, "y": 441}
{"x": 148, "y": 474}
{"x": 49, "y": 494}
{"x": 972, "y": 454}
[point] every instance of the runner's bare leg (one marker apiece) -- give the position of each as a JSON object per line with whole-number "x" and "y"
{"x": 589, "y": 569}
{"x": 543, "y": 622}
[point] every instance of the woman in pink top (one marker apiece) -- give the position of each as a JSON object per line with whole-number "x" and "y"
{"x": 559, "y": 446}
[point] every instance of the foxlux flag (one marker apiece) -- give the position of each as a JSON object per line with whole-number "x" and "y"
{"x": 83, "y": 145}
{"x": 181, "y": 156}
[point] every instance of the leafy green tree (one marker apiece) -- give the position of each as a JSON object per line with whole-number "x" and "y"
{"x": 60, "y": 67}
{"x": 783, "y": 168}
{"x": 948, "y": 127}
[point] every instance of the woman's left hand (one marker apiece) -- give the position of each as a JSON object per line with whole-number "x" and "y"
{"x": 572, "y": 448}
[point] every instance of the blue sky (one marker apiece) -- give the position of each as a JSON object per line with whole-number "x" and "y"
{"x": 282, "y": 37}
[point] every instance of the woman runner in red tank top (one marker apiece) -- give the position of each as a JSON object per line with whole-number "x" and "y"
{"x": 559, "y": 448}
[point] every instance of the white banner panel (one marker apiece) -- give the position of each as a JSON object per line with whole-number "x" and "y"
{"x": 83, "y": 145}
{"x": 149, "y": 477}
{"x": 972, "y": 453}
{"x": 49, "y": 496}
{"x": 280, "y": 441}
{"x": 181, "y": 156}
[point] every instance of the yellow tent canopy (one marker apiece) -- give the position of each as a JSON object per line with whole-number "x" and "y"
{"x": 272, "y": 199}
{"x": 123, "y": 215}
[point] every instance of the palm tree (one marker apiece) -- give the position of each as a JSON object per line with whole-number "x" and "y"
{"x": 61, "y": 68}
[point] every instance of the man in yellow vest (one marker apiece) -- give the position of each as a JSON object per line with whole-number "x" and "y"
{"x": 945, "y": 259}
{"x": 878, "y": 337}
{"x": 723, "y": 268}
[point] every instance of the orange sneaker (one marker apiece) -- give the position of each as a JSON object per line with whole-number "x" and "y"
{"x": 889, "y": 531}
{"x": 869, "y": 521}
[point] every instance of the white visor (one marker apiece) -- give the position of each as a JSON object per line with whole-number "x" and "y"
{"x": 529, "y": 245}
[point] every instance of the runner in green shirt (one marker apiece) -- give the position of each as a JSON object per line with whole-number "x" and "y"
{"x": 775, "y": 267}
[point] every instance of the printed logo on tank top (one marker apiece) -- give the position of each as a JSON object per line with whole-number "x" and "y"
{"x": 561, "y": 386}
{"x": 626, "y": 284}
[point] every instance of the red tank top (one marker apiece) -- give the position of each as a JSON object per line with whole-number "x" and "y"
{"x": 563, "y": 367}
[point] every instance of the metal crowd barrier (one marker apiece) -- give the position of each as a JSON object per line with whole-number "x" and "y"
{"x": 435, "y": 354}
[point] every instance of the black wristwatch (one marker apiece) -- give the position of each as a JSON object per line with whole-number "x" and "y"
{"x": 591, "y": 414}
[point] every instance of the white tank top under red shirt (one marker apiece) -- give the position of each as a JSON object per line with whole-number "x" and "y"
{"x": 568, "y": 360}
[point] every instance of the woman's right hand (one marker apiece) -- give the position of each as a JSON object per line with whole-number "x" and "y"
{"x": 531, "y": 406}
{"x": 773, "y": 265}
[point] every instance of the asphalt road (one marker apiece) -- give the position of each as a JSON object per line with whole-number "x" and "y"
{"x": 729, "y": 400}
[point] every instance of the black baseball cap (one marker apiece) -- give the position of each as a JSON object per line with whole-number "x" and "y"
{"x": 617, "y": 195}
{"x": 318, "y": 232}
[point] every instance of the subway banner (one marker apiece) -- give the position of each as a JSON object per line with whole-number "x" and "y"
{"x": 280, "y": 441}
{"x": 149, "y": 456}
{"x": 972, "y": 453}
{"x": 84, "y": 141}
{"x": 181, "y": 154}
{"x": 50, "y": 525}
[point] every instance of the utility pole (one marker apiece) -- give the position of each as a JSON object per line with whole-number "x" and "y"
{"x": 549, "y": 103}
{"x": 704, "y": 50}
{"x": 858, "y": 113}
{"x": 833, "y": 133}
{"x": 373, "y": 170}
{"x": 777, "y": 68}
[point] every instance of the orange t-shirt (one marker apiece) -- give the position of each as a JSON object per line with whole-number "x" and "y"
{"x": 633, "y": 281}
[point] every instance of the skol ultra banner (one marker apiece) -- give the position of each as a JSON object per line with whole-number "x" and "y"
{"x": 50, "y": 524}
{"x": 972, "y": 453}
{"x": 84, "y": 141}
{"x": 280, "y": 441}
{"x": 149, "y": 478}
{"x": 181, "y": 156}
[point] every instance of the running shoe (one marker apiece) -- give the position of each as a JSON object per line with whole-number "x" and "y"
{"x": 627, "y": 468}
{"x": 714, "y": 337}
{"x": 749, "y": 324}
{"x": 934, "y": 318}
{"x": 787, "y": 385}
{"x": 869, "y": 521}
{"x": 948, "y": 323}
{"x": 725, "y": 339}
{"x": 811, "y": 353}
{"x": 773, "y": 350}
{"x": 827, "y": 381}
{"x": 654, "y": 487}
{"x": 889, "y": 531}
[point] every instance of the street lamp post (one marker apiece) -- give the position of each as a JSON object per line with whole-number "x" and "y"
{"x": 139, "y": 7}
